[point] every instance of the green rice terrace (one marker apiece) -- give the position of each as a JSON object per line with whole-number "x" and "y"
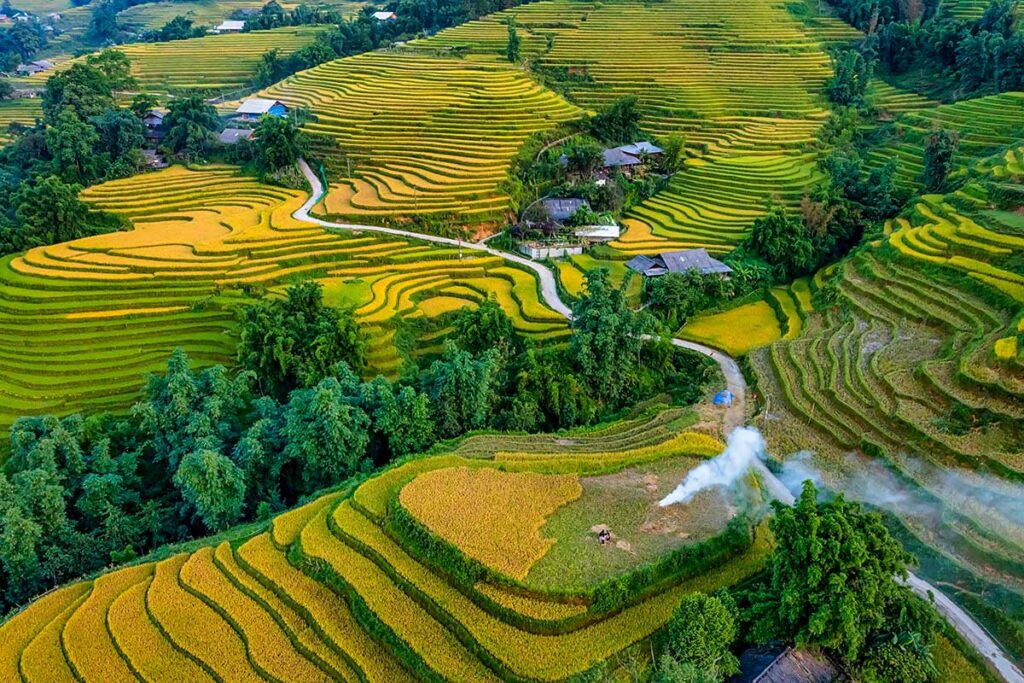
{"x": 274, "y": 405}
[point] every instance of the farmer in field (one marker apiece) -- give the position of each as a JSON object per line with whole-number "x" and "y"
{"x": 604, "y": 536}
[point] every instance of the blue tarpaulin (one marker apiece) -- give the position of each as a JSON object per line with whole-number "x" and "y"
{"x": 723, "y": 398}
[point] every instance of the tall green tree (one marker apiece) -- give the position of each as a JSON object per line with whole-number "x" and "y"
{"x": 784, "y": 242}
{"x": 607, "y": 338}
{"x": 278, "y": 143}
{"x": 486, "y": 327}
{"x": 190, "y": 124}
{"x": 700, "y": 633}
{"x": 50, "y": 212}
{"x": 461, "y": 388}
{"x": 832, "y": 577}
{"x": 83, "y": 88}
{"x": 849, "y": 82}
{"x": 74, "y": 146}
{"x": 326, "y": 436}
{"x": 298, "y": 341}
{"x": 939, "y": 152}
{"x": 512, "y": 47}
{"x": 214, "y": 486}
{"x": 618, "y": 123}
{"x": 121, "y": 139}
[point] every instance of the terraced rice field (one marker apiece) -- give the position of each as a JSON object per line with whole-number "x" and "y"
{"x": 425, "y": 134}
{"x": 208, "y": 64}
{"x": 912, "y": 365}
{"x": 153, "y": 15}
{"x": 24, "y": 110}
{"x": 742, "y": 82}
{"x": 98, "y": 313}
{"x": 325, "y": 593}
{"x": 985, "y": 125}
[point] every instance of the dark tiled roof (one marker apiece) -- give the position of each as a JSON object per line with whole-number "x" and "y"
{"x": 563, "y": 209}
{"x": 763, "y": 665}
{"x": 699, "y": 259}
{"x": 617, "y": 157}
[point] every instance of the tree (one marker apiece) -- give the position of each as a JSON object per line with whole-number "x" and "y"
{"x": 73, "y": 143}
{"x": 82, "y": 88}
{"x": 103, "y": 25}
{"x": 486, "y": 327}
{"x": 607, "y": 338}
{"x": 298, "y": 341}
{"x": 513, "y": 45}
{"x": 674, "y": 297}
{"x": 894, "y": 662}
{"x": 673, "y": 155}
{"x": 583, "y": 159}
{"x": 832, "y": 578}
{"x": 121, "y": 138}
{"x": 115, "y": 67}
{"x": 6, "y": 89}
{"x": 851, "y": 73}
{"x": 278, "y": 143}
{"x": 214, "y": 486}
{"x": 50, "y": 212}
{"x": 784, "y": 242}
{"x": 461, "y": 389}
{"x": 618, "y": 123}
{"x": 672, "y": 671}
{"x": 190, "y": 123}
{"x": 700, "y": 633}
{"x": 402, "y": 420}
{"x": 326, "y": 436}
{"x": 142, "y": 104}
{"x": 939, "y": 151}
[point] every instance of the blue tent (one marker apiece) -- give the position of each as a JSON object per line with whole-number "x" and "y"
{"x": 723, "y": 398}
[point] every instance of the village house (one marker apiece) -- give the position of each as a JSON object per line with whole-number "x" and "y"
{"x": 154, "y": 159}
{"x": 255, "y": 107}
{"x": 385, "y": 16}
{"x": 562, "y": 210}
{"x": 788, "y": 665}
{"x": 153, "y": 123}
{"x": 35, "y": 67}
{"x": 229, "y": 26}
{"x": 231, "y": 136}
{"x": 629, "y": 159}
{"x": 678, "y": 262}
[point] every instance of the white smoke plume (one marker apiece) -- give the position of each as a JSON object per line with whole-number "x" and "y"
{"x": 745, "y": 444}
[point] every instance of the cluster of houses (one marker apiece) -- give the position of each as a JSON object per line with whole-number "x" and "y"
{"x": 238, "y": 129}
{"x": 631, "y": 160}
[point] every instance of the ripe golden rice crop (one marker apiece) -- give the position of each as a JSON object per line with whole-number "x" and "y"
{"x": 145, "y": 647}
{"x": 492, "y": 516}
{"x": 268, "y": 646}
{"x": 86, "y": 640}
{"x": 24, "y": 627}
{"x": 195, "y": 627}
{"x": 737, "y": 330}
{"x": 531, "y": 607}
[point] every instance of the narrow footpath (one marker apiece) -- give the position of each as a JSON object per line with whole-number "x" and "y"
{"x": 735, "y": 415}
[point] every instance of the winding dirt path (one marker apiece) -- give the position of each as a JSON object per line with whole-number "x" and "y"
{"x": 735, "y": 415}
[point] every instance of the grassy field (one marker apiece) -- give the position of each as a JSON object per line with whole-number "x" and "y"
{"x": 425, "y": 135}
{"x": 83, "y": 321}
{"x": 326, "y": 594}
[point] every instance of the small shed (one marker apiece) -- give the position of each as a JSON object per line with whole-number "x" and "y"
{"x": 255, "y": 107}
{"x": 231, "y": 136}
{"x": 562, "y": 210}
{"x": 385, "y": 16}
{"x": 154, "y": 159}
{"x": 229, "y": 26}
{"x": 723, "y": 398}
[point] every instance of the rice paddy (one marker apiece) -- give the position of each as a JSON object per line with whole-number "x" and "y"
{"x": 100, "y": 312}
{"x": 24, "y": 110}
{"x": 248, "y": 613}
{"x": 424, "y": 134}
